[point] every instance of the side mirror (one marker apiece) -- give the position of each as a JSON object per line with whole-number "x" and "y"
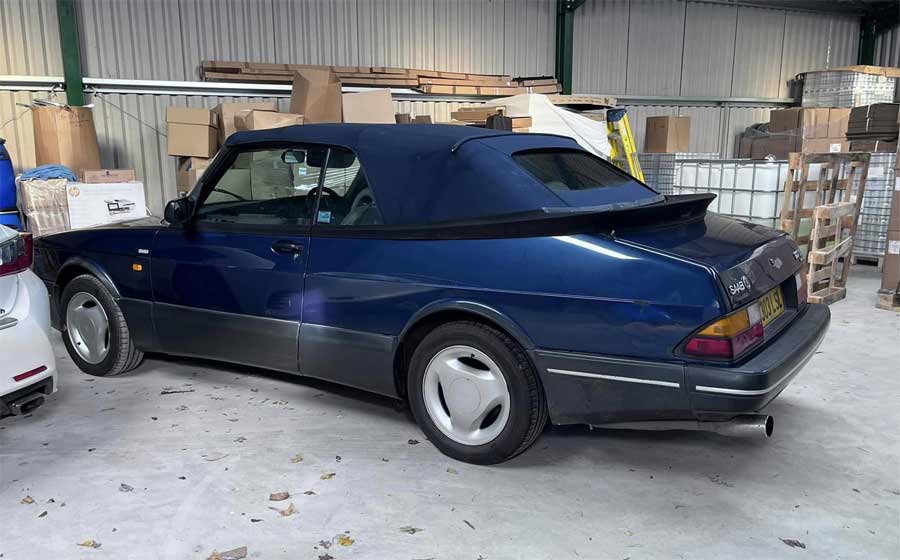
{"x": 178, "y": 211}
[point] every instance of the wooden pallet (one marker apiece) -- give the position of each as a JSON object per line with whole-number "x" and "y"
{"x": 888, "y": 299}
{"x": 871, "y": 260}
{"x": 829, "y": 242}
{"x": 802, "y": 196}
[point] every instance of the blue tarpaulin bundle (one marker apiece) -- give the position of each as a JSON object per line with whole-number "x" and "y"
{"x": 50, "y": 171}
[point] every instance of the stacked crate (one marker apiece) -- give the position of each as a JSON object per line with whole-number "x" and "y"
{"x": 746, "y": 189}
{"x": 875, "y": 212}
{"x": 659, "y": 168}
{"x": 842, "y": 88}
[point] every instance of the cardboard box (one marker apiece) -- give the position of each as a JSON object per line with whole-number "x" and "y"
{"x": 777, "y": 145}
{"x": 875, "y": 146}
{"x": 316, "y": 94}
{"x": 105, "y": 203}
{"x": 227, "y": 111}
{"x": 745, "y": 146}
{"x": 890, "y": 270}
{"x": 191, "y": 132}
{"x": 402, "y": 118}
{"x": 66, "y": 135}
{"x": 825, "y": 145}
{"x": 668, "y": 134}
{"x": 190, "y": 169}
{"x": 256, "y": 119}
{"x": 369, "y": 107}
{"x": 805, "y": 122}
{"x": 422, "y": 119}
{"x": 837, "y": 122}
{"x": 107, "y": 175}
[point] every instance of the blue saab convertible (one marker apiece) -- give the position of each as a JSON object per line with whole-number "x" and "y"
{"x": 493, "y": 280}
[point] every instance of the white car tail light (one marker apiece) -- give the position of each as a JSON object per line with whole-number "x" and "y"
{"x": 16, "y": 254}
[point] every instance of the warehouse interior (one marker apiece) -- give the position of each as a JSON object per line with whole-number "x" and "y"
{"x": 191, "y": 457}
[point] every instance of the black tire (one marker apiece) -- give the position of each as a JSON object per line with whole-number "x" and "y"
{"x": 123, "y": 356}
{"x": 528, "y": 407}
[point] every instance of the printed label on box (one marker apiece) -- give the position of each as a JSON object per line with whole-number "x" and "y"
{"x": 894, "y": 247}
{"x": 835, "y": 148}
{"x": 104, "y": 203}
{"x": 876, "y": 172}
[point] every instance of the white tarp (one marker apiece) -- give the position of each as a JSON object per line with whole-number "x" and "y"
{"x": 550, "y": 119}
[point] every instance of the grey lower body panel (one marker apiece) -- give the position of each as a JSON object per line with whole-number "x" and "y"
{"x": 242, "y": 339}
{"x": 359, "y": 359}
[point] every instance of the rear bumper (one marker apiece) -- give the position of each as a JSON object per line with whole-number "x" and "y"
{"x": 25, "y": 344}
{"x": 590, "y": 389}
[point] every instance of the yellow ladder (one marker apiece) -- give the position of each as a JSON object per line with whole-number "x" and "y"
{"x": 623, "y": 153}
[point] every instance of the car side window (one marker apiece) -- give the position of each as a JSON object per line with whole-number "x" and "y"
{"x": 346, "y": 199}
{"x": 271, "y": 187}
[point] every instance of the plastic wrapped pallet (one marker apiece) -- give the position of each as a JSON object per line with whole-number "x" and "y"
{"x": 44, "y": 205}
{"x": 845, "y": 88}
{"x": 875, "y": 210}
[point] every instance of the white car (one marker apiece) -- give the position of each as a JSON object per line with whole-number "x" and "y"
{"x": 27, "y": 362}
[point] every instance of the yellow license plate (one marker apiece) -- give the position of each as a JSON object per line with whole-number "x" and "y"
{"x": 771, "y": 306}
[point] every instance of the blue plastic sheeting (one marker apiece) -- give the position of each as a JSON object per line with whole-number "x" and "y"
{"x": 50, "y": 171}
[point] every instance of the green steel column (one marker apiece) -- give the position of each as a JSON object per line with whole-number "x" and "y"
{"x": 565, "y": 33}
{"x": 878, "y": 19}
{"x": 71, "y": 51}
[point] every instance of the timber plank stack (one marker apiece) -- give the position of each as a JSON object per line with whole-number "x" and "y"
{"x": 426, "y": 81}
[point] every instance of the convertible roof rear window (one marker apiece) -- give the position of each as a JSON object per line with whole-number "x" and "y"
{"x": 570, "y": 170}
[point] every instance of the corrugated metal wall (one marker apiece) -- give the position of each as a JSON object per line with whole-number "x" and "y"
{"x": 167, "y": 39}
{"x": 622, "y": 47}
{"x": 887, "y": 48}
{"x": 656, "y": 47}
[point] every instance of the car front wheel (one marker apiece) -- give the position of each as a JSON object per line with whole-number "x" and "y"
{"x": 475, "y": 393}
{"x": 96, "y": 334}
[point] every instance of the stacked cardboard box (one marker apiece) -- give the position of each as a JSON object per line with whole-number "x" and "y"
{"x": 874, "y": 128}
{"x": 889, "y": 295}
{"x": 427, "y": 81}
{"x": 806, "y": 130}
{"x": 192, "y": 132}
{"x": 65, "y": 135}
{"x": 478, "y": 116}
{"x": 44, "y": 205}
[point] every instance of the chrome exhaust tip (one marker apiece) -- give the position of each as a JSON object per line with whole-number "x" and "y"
{"x": 746, "y": 425}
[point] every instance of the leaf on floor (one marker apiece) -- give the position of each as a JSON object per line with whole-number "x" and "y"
{"x": 310, "y": 493}
{"x": 126, "y": 487}
{"x": 90, "y": 543}
{"x": 793, "y": 543}
{"x": 291, "y": 510}
{"x": 27, "y": 500}
{"x": 344, "y": 540}
{"x": 410, "y": 530}
{"x": 233, "y": 554}
{"x": 279, "y": 496}
{"x": 326, "y": 556}
{"x": 240, "y": 439}
{"x": 297, "y": 458}
{"x": 469, "y": 524}
{"x": 451, "y": 470}
{"x": 43, "y": 514}
{"x": 327, "y": 476}
{"x": 413, "y": 441}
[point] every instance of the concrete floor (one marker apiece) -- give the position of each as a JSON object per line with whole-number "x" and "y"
{"x": 202, "y": 464}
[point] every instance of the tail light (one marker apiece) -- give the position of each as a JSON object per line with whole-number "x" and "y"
{"x": 17, "y": 254}
{"x": 800, "y": 280}
{"x": 730, "y": 336}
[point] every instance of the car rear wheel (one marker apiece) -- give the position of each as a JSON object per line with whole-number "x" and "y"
{"x": 95, "y": 332}
{"x": 475, "y": 394}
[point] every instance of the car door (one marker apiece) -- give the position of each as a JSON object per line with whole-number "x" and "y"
{"x": 228, "y": 284}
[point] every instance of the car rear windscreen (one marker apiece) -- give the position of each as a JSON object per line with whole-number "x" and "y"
{"x": 582, "y": 179}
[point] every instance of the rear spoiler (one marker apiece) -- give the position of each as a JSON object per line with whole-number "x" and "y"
{"x": 673, "y": 209}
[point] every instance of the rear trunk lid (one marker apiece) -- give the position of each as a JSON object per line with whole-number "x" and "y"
{"x": 749, "y": 259}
